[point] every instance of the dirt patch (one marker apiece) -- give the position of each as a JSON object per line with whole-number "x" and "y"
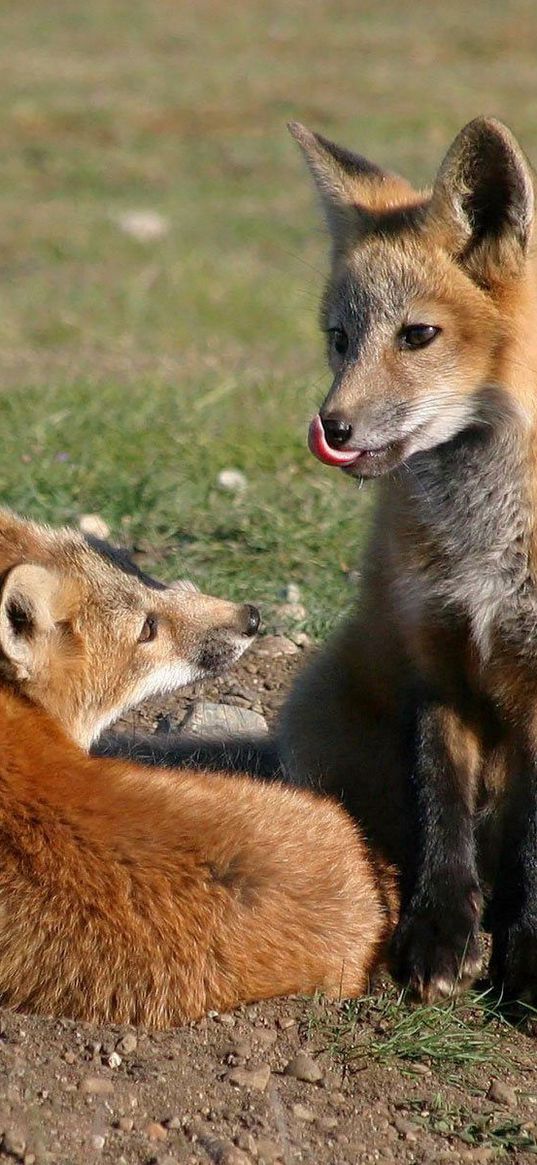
{"x": 378, "y": 1082}
{"x": 258, "y": 681}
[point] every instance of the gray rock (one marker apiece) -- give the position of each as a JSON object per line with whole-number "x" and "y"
{"x": 96, "y": 1086}
{"x": 223, "y": 720}
{"x": 274, "y": 645}
{"x": 14, "y": 1143}
{"x": 255, "y": 1079}
{"x": 268, "y": 1152}
{"x": 227, "y": 1154}
{"x": 304, "y": 1067}
{"x": 302, "y": 1113}
{"x": 127, "y": 1044}
{"x": 502, "y": 1093}
{"x": 286, "y": 1021}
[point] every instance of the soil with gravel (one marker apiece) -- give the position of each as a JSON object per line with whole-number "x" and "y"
{"x": 266, "y": 1085}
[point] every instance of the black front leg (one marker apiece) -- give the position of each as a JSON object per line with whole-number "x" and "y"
{"x": 514, "y": 903}
{"x": 435, "y": 948}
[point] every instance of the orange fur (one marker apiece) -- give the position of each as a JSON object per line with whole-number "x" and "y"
{"x": 421, "y": 709}
{"x": 150, "y": 898}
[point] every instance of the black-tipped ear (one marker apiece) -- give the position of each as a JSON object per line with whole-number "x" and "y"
{"x": 483, "y": 197}
{"x": 344, "y": 180}
{"x": 27, "y": 613}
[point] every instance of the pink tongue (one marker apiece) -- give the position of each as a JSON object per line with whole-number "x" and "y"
{"x": 318, "y": 445}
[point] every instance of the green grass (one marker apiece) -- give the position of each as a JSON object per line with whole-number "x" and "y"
{"x": 457, "y": 1123}
{"x": 154, "y": 365}
{"x": 460, "y": 1033}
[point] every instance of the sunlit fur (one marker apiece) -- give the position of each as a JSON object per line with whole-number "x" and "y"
{"x": 136, "y": 897}
{"x": 447, "y": 612}
{"x": 88, "y": 665}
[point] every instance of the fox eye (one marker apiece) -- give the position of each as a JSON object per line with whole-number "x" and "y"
{"x": 339, "y": 340}
{"x": 149, "y": 630}
{"x": 417, "y": 335}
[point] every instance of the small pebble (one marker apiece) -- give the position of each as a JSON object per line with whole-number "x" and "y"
{"x": 206, "y": 718}
{"x": 406, "y": 1129}
{"x": 227, "y": 1154}
{"x": 125, "y": 1124}
{"x": 502, "y": 1093}
{"x": 232, "y": 481}
{"x": 98, "y": 1142}
{"x": 266, "y": 1036}
{"x": 285, "y": 1022}
{"x": 274, "y": 645}
{"x": 268, "y": 1152}
{"x": 290, "y": 593}
{"x": 70, "y": 1057}
{"x": 94, "y": 526}
{"x": 96, "y": 1086}
{"x": 328, "y": 1123}
{"x": 14, "y": 1143}
{"x": 304, "y": 1067}
{"x": 155, "y": 1131}
{"x": 247, "y": 1142}
{"x": 127, "y": 1044}
{"x": 302, "y": 1113}
{"x": 253, "y": 1078}
{"x": 146, "y": 226}
{"x": 242, "y": 1049}
{"x": 302, "y": 639}
{"x": 114, "y": 1060}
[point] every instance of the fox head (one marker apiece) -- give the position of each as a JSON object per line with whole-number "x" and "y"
{"x": 85, "y": 635}
{"x": 426, "y": 293}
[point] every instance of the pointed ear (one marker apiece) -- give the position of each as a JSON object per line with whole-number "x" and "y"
{"x": 28, "y": 611}
{"x": 483, "y": 200}
{"x": 346, "y": 182}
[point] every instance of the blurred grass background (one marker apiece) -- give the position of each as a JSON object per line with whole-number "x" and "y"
{"x": 132, "y": 371}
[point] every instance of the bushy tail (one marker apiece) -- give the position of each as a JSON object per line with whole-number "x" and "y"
{"x": 257, "y": 756}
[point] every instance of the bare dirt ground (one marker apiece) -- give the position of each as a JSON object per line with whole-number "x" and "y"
{"x": 376, "y": 1081}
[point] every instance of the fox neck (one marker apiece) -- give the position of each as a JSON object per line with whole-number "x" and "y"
{"x": 469, "y": 508}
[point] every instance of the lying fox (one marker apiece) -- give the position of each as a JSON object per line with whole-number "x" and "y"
{"x": 422, "y": 709}
{"x": 129, "y": 897}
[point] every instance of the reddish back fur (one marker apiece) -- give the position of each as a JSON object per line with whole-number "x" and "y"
{"x": 146, "y": 899}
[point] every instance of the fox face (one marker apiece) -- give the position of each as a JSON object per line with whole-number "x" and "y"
{"x": 86, "y": 635}
{"x": 418, "y": 310}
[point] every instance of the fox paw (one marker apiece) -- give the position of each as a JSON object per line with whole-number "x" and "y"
{"x": 435, "y": 949}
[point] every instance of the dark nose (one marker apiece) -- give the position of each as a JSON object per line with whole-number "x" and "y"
{"x": 253, "y": 619}
{"x": 336, "y": 430}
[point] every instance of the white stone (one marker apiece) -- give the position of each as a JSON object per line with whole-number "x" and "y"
{"x": 146, "y": 226}
{"x": 232, "y": 481}
{"x": 223, "y": 720}
{"x": 94, "y": 525}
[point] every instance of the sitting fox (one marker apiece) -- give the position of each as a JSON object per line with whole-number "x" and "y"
{"x": 422, "y": 709}
{"x": 148, "y": 898}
